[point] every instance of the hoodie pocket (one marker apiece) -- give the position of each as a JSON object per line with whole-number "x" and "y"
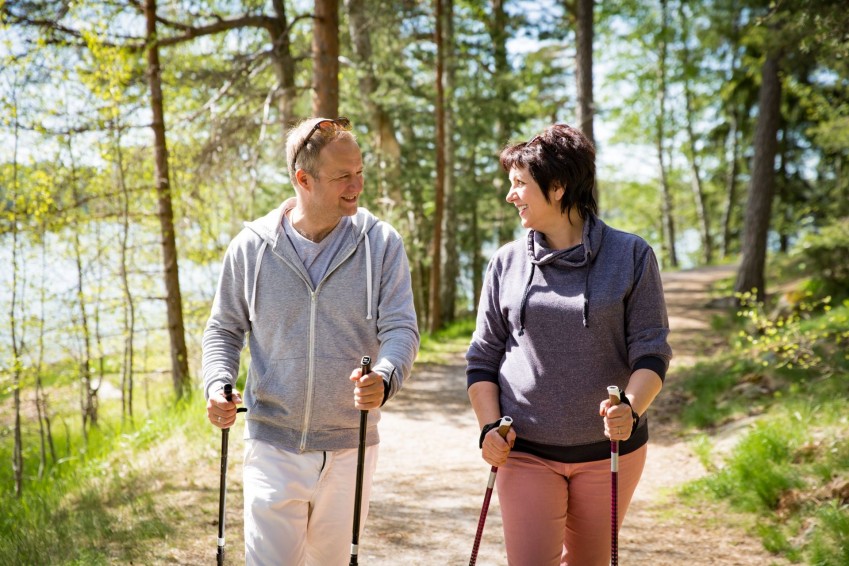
{"x": 333, "y": 395}
{"x": 280, "y": 394}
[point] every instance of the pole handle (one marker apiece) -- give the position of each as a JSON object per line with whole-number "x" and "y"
{"x": 614, "y": 393}
{"x": 504, "y": 426}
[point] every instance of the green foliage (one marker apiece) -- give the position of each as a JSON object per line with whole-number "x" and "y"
{"x": 97, "y": 506}
{"x": 817, "y": 253}
{"x": 446, "y": 344}
{"x": 830, "y": 543}
{"x": 793, "y": 338}
{"x": 788, "y": 371}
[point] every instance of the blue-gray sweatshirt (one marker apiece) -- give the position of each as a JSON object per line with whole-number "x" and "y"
{"x": 305, "y": 341}
{"x": 556, "y": 327}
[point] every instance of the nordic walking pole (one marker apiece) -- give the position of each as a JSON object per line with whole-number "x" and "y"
{"x": 503, "y": 428}
{"x": 361, "y": 456}
{"x": 222, "y": 490}
{"x": 613, "y": 393}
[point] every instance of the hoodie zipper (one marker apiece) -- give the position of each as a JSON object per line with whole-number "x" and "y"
{"x": 311, "y": 363}
{"x": 310, "y": 371}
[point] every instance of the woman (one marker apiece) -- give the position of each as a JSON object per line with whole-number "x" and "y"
{"x": 567, "y": 310}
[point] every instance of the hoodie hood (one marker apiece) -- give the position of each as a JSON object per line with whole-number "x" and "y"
{"x": 579, "y": 256}
{"x": 269, "y": 229}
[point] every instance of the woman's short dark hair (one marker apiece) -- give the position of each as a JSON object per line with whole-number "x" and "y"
{"x": 559, "y": 156}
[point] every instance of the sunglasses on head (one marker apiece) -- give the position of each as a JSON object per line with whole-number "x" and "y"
{"x": 340, "y": 123}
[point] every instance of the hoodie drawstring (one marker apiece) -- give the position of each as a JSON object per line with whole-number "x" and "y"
{"x": 587, "y": 293}
{"x": 368, "y": 279}
{"x": 252, "y": 303}
{"x": 525, "y": 300}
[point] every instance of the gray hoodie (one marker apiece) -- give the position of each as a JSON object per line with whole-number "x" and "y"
{"x": 305, "y": 341}
{"x": 556, "y": 327}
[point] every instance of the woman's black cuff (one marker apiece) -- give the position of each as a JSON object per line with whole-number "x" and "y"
{"x": 634, "y": 415}
{"x": 486, "y": 428}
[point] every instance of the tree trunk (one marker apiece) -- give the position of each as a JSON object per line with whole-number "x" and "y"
{"x": 695, "y": 173}
{"x": 17, "y": 369}
{"x": 128, "y": 303}
{"x": 667, "y": 205}
{"x": 731, "y": 181}
{"x": 284, "y": 67}
{"x": 88, "y": 393}
{"x": 173, "y": 299}
{"x": 325, "y": 59}
{"x": 450, "y": 255}
{"x": 750, "y": 275}
{"x": 382, "y": 127}
{"x": 503, "y": 120}
{"x": 477, "y": 257}
{"x": 436, "y": 243}
{"x": 584, "y": 70}
{"x": 732, "y": 145}
{"x": 41, "y": 407}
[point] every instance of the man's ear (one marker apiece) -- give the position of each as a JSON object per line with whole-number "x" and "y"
{"x": 302, "y": 178}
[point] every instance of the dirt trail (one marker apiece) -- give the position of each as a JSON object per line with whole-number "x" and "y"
{"x": 430, "y": 480}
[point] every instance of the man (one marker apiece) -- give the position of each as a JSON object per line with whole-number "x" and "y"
{"x": 316, "y": 285}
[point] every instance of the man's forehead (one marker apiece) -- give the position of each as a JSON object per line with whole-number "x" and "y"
{"x": 341, "y": 155}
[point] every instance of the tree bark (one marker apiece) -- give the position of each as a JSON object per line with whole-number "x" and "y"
{"x": 504, "y": 117}
{"x": 325, "y": 59}
{"x": 667, "y": 205}
{"x": 17, "y": 370}
{"x": 173, "y": 299}
{"x": 381, "y": 124}
{"x": 731, "y": 181}
{"x": 284, "y": 66}
{"x": 584, "y": 66}
{"x": 436, "y": 243}
{"x": 695, "y": 173}
{"x": 750, "y": 274}
{"x": 584, "y": 71}
{"x": 450, "y": 255}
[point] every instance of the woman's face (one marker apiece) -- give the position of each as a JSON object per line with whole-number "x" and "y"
{"x": 534, "y": 211}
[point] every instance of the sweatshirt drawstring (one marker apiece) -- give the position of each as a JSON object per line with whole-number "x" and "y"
{"x": 587, "y": 293}
{"x": 368, "y": 279}
{"x": 252, "y": 303}
{"x": 527, "y": 286}
{"x": 525, "y": 301}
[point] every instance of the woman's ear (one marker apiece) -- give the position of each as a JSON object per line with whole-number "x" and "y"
{"x": 557, "y": 191}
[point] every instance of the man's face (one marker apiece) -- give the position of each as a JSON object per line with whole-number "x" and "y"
{"x": 335, "y": 190}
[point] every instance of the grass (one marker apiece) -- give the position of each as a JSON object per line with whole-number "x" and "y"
{"x": 96, "y": 505}
{"x": 790, "y": 467}
{"x": 444, "y": 346}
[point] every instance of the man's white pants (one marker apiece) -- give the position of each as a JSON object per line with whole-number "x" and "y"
{"x": 299, "y": 508}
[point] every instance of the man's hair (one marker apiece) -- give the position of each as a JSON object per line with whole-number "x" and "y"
{"x": 308, "y": 157}
{"x": 561, "y": 156}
